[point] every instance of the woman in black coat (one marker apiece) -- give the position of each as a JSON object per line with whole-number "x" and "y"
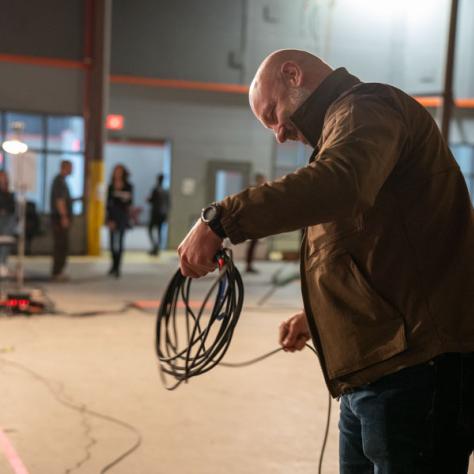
{"x": 119, "y": 201}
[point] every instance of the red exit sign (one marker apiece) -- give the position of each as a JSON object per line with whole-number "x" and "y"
{"x": 114, "y": 122}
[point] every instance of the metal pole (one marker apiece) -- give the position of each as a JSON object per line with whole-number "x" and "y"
{"x": 20, "y": 271}
{"x": 21, "y": 241}
{"x": 448, "y": 98}
{"x": 96, "y": 106}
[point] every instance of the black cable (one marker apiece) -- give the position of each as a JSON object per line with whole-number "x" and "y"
{"x": 207, "y": 334}
{"x": 82, "y": 409}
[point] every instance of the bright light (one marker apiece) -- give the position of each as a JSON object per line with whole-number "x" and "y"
{"x": 14, "y": 147}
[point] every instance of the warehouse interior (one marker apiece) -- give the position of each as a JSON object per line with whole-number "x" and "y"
{"x": 162, "y": 88}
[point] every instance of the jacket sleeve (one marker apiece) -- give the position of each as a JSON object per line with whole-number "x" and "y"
{"x": 362, "y": 140}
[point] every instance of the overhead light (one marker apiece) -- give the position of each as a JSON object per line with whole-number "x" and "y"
{"x": 14, "y": 147}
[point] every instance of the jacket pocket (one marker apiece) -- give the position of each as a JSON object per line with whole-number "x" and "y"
{"x": 356, "y": 326}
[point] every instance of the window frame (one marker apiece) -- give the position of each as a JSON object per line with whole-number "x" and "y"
{"x": 44, "y": 151}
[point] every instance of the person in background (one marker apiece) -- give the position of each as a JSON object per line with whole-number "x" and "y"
{"x": 32, "y": 225}
{"x": 259, "y": 179}
{"x": 61, "y": 216}
{"x": 119, "y": 201}
{"x": 160, "y": 204}
{"x": 7, "y": 222}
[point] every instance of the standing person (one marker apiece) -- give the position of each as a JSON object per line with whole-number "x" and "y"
{"x": 7, "y": 222}
{"x": 387, "y": 261}
{"x": 160, "y": 205}
{"x": 250, "y": 254}
{"x": 119, "y": 201}
{"x": 61, "y": 215}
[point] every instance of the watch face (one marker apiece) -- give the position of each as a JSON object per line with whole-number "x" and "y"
{"x": 209, "y": 213}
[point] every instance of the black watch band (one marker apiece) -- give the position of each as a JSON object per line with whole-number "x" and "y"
{"x": 211, "y": 215}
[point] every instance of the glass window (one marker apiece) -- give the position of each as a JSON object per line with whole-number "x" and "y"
{"x": 289, "y": 157}
{"x": 65, "y": 134}
{"x": 75, "y": 181}
{"x": 464, "y": 155}
{"x": 33, "y": 129}
{"x": 51, "y": 139}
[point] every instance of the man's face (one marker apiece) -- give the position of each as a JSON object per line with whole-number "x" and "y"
{"x": 273, "y": 105}
{"x": 67, "y": 169}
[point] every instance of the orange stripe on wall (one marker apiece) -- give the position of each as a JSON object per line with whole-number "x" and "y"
{"x": 43, "y": 61}
{"x": 434, "y": 101}
{"x": 465, "y": 103}
{"x": 428, "y": 101}
{"x": 180, "y": 84}
{"x": 437, "y": 101}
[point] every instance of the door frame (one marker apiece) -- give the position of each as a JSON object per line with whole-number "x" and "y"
{"x": 243, "y": 167}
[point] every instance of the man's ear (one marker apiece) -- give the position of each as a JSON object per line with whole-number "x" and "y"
{"x": 292, "y": 73}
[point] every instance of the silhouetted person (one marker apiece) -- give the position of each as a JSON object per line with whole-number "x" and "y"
{"x": 7, "y": 222}
{"x": 119, "y": 200}
{"x": 61, "y": 215}
{"x": 160, "y": 203}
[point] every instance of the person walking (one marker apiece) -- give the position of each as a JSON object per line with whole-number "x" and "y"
{"x": 7, "y": 222}
{"x": 61, "y": 217}
{"x": 159, "y": 200}
{"x": 387, "y": 261}
{"x": 119, "y": 201}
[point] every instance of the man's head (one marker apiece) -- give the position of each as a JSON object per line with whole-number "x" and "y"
{"x": 66, "y": 168}
{"x": 159, "y": 179}
{"x": 283, "y": 81}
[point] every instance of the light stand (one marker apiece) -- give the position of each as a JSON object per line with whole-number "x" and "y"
{"x": 22, "y": 300}
{"x": 18, "y": 148}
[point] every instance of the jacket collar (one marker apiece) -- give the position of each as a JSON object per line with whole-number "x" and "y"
{"x": 309, "y": 117}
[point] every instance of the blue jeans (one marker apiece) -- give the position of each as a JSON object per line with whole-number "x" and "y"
{"x": 419, "y": 420}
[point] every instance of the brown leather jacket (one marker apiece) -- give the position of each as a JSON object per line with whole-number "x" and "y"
{"x": 387, "y": 262}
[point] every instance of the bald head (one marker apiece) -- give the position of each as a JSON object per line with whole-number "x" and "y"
{"x": 281, "y": 84}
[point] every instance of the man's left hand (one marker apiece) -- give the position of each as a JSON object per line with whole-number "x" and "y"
{"x": 197, "y": 251}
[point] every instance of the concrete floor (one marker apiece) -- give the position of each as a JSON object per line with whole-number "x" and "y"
{"x": 268, "y": 418}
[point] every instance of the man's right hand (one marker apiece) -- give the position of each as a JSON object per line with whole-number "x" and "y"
{"x": 294, "y": 333}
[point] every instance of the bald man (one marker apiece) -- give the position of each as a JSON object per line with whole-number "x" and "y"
{"x": 387, "y": 262}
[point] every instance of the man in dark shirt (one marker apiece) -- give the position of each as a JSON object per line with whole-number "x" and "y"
{"x": 160, "y": 203}
{"x": 61, "y": 214}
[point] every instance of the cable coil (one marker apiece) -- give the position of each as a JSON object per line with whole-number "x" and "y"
{"x": 207, "y": 332}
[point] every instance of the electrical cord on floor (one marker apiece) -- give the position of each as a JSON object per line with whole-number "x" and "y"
{"x": 83, "y": 410}
{"x": 208, "y": 333}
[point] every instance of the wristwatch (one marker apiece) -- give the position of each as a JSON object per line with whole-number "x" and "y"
{"x": 211, "y": 215}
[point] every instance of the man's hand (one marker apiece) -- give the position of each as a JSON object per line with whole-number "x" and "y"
{"x": 197, "y": 251}
{"x": 294, "y": 332}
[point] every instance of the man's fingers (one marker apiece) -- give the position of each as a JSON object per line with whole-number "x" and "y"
{"x": 283, "y": 331}
{"x": 301, "y": 342}
{"x": 292, "y": 334}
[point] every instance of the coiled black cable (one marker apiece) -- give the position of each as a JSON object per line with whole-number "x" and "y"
{"x": 207, "y": 332}
{"x": 206, "y": 342}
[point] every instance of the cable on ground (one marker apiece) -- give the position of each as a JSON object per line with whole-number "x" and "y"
{"x": 61, "y": 398}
